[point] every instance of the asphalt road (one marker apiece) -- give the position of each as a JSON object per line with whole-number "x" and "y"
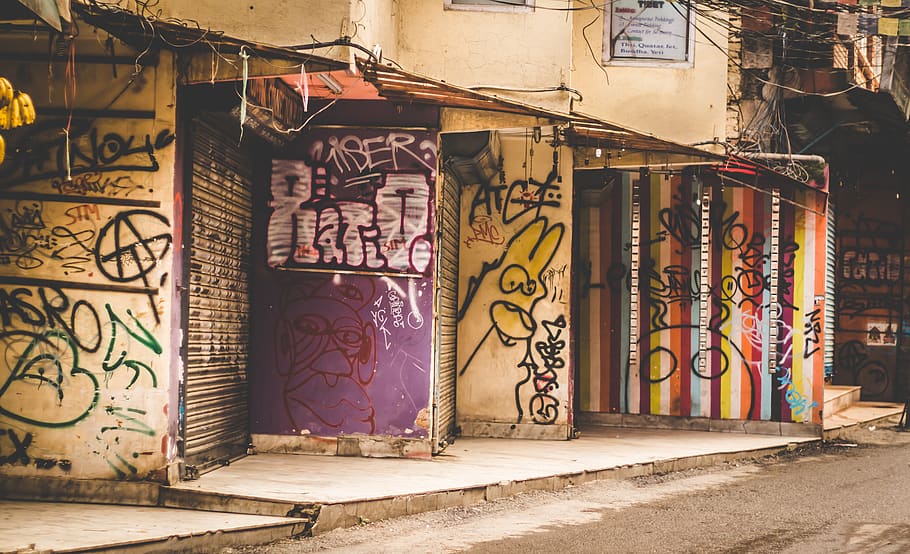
{"x": 834, "y": 498}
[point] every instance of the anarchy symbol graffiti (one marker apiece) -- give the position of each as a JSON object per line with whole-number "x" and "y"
{"x": 131, "y": 244}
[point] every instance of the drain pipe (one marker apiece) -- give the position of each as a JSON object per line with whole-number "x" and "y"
{"x": 784, "y": 157}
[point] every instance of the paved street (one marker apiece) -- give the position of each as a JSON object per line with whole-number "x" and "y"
{"x": 835, "y": 498}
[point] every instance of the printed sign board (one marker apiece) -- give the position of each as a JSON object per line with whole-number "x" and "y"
{"x": 648, "y": 30}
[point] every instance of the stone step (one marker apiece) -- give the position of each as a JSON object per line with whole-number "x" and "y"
{"x": 182, "y": 497}
{"x": 840, "y": 397}
{"x": 861, "y": 414}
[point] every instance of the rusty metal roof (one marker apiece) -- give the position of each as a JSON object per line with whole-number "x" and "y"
{"x": 581, "y": 130}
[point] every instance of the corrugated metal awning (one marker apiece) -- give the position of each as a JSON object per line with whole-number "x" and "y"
{"x": 580, "y": 130}
{"x": 209, "y": 55}
{"x": 749, "y": 173}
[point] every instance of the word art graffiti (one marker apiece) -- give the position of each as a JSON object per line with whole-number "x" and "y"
{"x": 531, "y": 196}
{"x": 544, "y": 406}
{"x": 376, "y": 222}
{"x": 870, "y": 267}
{"x": 868, "y": 270}
{"x": 812, "y": 328}
{"x": 352, "y": 154}
{"x": 797, "y": 401}
{"x": 489, "y": 197}
{"x": 81, "y": 324}
{"x": 129, "y": 247}
{"x": 483, "y": 230}
{"x": 50, "y": 307}
{"x": 521, "y": 197}
{"x": 851, "y": 305}
{"x": 392, "y": 308}
{"x": 28, "y": 243}
{"x": 44, "y": 153}
{"x": 19, "y": 453}
{"x": 95, "y": 184}
{"x": 46, "y": 366}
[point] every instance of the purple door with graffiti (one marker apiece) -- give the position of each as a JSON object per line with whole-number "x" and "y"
{"x": 343, "y": 290}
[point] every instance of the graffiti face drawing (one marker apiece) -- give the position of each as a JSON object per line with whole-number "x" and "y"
{"x": 326, "y": 351}
{"x": 521, "y": 283}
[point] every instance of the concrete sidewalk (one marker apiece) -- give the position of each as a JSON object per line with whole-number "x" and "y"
{"x": 270, "y": 496}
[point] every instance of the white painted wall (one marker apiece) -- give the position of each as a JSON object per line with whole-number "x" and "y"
{"x": 86, "y": 374}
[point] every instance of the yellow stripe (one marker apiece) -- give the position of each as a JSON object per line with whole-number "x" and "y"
{"x": 657, "y": 200}
{"x": 726, "y": 269}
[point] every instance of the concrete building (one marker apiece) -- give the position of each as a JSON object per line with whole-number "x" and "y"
{"x": 417, "y": 234}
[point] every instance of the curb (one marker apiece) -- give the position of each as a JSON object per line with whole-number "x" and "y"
{"x": 310, "y": 519}
{"x": 348, "y": 514}
{"x": 203, "y": 541}
{"x": 844, "y": 432}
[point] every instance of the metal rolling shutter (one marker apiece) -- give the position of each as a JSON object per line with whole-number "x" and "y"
{"x": 830, "y": 286}
{"x": 446, "y": 310}
{"x": 218, "y": 328}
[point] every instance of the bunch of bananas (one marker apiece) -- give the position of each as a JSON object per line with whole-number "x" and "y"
{"x": 16, "y": 110}
{"x": 6, "y": 92}
{"x": 19, "y": 111}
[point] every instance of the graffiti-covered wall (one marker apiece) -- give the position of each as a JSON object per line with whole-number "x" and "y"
{"x": 754, "y": 349}
{"x": 86, "y": 232}
{"x": 342, "y": 338}
{"x": 514, "y": 297}
{"x": 871, "y": 269}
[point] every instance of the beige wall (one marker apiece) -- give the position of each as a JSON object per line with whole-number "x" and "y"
{"x": 276, "y": 22}
{"x": 519, "y": 253}
{"x": 378, "y": 24}
{"x": 469, "y": 48}
{"x": 686, "y": 105}
{"x": 86, "y": 264}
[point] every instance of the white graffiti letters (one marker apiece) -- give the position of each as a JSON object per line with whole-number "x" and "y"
{"x": 353, "y": 206}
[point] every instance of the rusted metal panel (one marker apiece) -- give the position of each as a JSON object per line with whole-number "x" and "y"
{"x": 446, "y": 311}
{"x": 218, "y": 324}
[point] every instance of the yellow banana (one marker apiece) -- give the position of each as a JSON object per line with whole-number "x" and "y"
{"x": 2, "y": 149}
{"x": 15, "y": 113}
{"x": 27, "y": 107}
{"x": 6, "y": 92}
{"x": 4, "y": 118}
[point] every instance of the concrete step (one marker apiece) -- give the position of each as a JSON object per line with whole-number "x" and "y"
{"x": 140, "y": 493}
{"x": 840, "y": 397}
{"x": 861, "y": 414}
{"x": 174, "y": 497}
{"x": 75, "y": 527}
